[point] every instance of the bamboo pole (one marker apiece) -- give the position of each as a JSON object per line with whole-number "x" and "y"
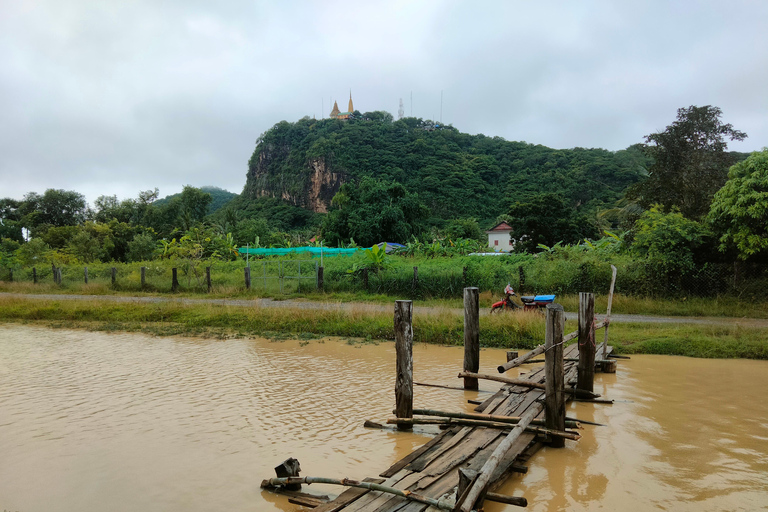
{"x": 529, "y": 384}
{"x": 483, "y": 417}
{"x": 480, "y": 423}
{"x": 608, "y": 311}
{"x": 480, "y": 485}
{"x": 442, "y": 503}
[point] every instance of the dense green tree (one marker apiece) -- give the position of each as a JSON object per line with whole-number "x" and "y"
{"x": 690, "y": 162}
{"x": 10, "y": 219}
{"x": 464, "y": 228}
{"x": 670, "y": 241}
{"x": 54, "y": 208}
{"x": 374, "y": 211}
{"x": 142, "y": 247}
{"x": 739, "y": 211}
{"x": 547, "y": 219}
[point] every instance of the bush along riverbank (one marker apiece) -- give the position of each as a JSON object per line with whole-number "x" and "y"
{"x": 521, "y": 331}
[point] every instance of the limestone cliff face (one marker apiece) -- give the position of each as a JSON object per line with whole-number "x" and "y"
{"x": 310, "y": 185}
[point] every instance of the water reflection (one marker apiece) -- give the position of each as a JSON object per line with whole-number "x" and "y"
{"x": 92, "y": 421}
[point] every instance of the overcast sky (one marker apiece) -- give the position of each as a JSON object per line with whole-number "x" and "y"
{"x": 114, "y": 97}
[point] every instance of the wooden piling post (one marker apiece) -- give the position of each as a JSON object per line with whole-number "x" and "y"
{"x": 247, "y": 275}
{"x": 208, "y": 278}
{"x": 404, "y": 351}
{"x": 471, "y": 335}
{"x": 143, "y": 277}
{"x": 85, "y": 273}
{"x": 114, "y": 276}
{"x": 512, "y": 355}
{"x": 587, "y": 347}
{"x": 554, "y": 404}
{"x": 320, "y": 282}
{"x": 174, "y": 279}
{"x": 34, "y": 275}
{"x": 608, "y": 312}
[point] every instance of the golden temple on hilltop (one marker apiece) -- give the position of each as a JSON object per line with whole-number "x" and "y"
{"x": 336, "y": 114}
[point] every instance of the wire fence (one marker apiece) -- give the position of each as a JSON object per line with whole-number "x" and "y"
{"x": 437, "y": 280}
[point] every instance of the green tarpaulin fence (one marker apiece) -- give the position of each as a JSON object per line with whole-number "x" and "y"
{"x": 306, "y": 251}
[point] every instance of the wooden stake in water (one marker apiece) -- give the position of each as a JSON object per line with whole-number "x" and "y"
{"x": 587, "y": 349}
{"x": 471, "y": 336}
{"x": 608, "y": 311}
{"x": 554, "y": 404}
{"x": 404, "y": 351}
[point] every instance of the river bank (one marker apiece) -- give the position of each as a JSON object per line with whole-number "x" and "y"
{"x": 728, "y": 338}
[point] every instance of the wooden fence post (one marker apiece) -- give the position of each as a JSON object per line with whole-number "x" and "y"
{"x": 114, "y": 276}
{"x": 320, "y": 282}
{"x": 143, "y": 277}
{"x": 404, "y": 351}
{"x": 10, "y": 275}
{"x": 85, "y": 273}
{"x": 208, "y": 278}
{"x": 471, "y": 335}
{"x": 365, "y": 279}
{"x": 247, "y": 274}
{"x": 608, "y": 314}
{"x": 554, "y": 404}
{"x": 415, "y": 285}
{"x": 587, "y": 348}
{"x": 175, "y": 279}
{"x": 521, "y": 273}
{"x": 464, "y": 276}
{"x": 34, "y": 275}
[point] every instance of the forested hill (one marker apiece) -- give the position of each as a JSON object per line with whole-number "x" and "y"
{"x": 455, "y": 174}
{"x": 219, "y": 197}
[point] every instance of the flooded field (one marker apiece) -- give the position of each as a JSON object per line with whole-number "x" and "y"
{"x": 96, "y": 421}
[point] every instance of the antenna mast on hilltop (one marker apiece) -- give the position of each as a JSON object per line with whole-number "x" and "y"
{"x": 400, "y": 111}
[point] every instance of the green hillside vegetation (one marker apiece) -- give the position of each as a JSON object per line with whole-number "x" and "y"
{"x": 456, "y": 175}
{"x": 219, "y": 198}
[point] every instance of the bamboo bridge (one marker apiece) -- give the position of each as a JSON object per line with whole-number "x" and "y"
{"x": 461, "y": 467}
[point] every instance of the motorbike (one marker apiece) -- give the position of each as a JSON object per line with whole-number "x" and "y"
{"x": 530, "y": 302}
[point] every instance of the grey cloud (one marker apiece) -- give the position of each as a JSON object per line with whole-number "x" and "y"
{"x": 113, "y": 98}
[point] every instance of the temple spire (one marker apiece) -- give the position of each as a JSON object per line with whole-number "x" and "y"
{"x": 351, "y": 108}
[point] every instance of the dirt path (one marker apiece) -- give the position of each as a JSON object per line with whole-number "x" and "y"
{"x": 361, "y": 306}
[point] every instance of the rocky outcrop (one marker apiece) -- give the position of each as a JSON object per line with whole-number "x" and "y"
{"x": 311, "y": 186}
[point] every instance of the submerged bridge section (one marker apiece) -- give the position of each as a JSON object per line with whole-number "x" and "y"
{"x": 460, "y": 467}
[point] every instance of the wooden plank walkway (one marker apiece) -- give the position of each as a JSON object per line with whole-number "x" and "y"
{"x": 433, "y": 469}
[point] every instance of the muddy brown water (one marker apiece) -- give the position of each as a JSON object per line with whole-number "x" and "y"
{"x": 96, "y": 421}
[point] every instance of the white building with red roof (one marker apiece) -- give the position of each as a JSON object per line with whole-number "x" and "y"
{"x": 499, "y": 237}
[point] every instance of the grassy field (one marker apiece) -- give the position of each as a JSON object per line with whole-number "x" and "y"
{"x": 622, "y": 304}
{"x": 522, "y": 331}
